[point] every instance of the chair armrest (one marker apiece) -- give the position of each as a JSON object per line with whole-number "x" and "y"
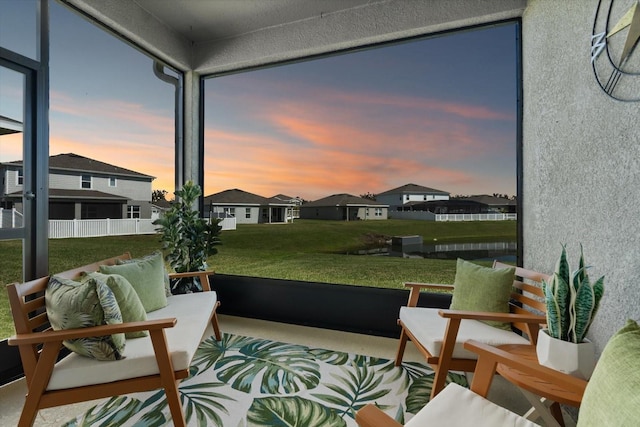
{"x": 493, "y": 355}
{"x": 94, "y": 331}
{"x": 203, "y": 275}
{"x": 486, "y": 315}
{"x": 371, "y": 416}
{"x": 190, "y": 274}
{"x": 414, "y": 294}
{"x": 435, "y": 286}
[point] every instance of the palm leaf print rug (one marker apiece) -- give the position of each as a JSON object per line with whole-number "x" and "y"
{"x": 242, "y": 381}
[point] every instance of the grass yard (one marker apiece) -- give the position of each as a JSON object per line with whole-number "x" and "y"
{"x": 307, "y": 250}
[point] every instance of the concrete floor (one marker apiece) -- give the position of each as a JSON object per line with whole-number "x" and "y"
{"x": 502, "y": 392}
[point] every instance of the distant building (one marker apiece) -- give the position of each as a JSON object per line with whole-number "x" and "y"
{"x": 344, "y": 207}
{"x": 408, "y": 193}
{"x": 465, "y": 205}
{"x": 83, "y": 188}
{"x": 249, "y": 208}
{"x": 451, "y": 206}
{"x": 279, "y": 205}
{"x": 493, "y": 203}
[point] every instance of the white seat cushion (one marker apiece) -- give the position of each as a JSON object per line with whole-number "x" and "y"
{"x": 429, "y": 327}
{"x": 456, "y": 406}
{"x": 193, "y": 312}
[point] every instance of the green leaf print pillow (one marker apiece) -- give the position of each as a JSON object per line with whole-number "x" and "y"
{"x": 83, "y": 304}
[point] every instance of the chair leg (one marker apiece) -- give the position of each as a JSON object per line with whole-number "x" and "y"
{"x": 173, "y": 399}
{"x": 215, "y": 324}
{"x": 29, "y": 412}
{"x": 444, "y": 359}
{"x": 439, "y": 379}
{"x": 401, "y": 346}
{"x": 38, "y": 384}
{"x": 167, "y": 378}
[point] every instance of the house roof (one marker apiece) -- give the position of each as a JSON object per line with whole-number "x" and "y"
{"x": 235, "y": 197}
{"x": 58, "y": 193}
{"x": 490, "y": 200}
{"x": 163, "y": 204}
{"x": 450, "y": 202}
{"x": 413, "y": 189}
{"x": 343, "y": 200}
{"x": 78, "y": 163}
{"x": 9, "y": 126}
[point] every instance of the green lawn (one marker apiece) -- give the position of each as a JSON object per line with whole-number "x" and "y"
{"x": 308, "y": 250}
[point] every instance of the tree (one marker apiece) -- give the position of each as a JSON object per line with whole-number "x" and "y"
{"x": 369, "y": 196}
{"x": 158, "y": 195}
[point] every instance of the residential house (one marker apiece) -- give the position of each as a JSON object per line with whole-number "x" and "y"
{"x": 398, "y": 197}
{"x": 493, "y": 204}
{"x": 451, "y": 206}
{"x": 344, "y": 207}
{"x": 480, "y": 204}
{"x": 83, "y": 188}
{"x": 249, "y": 208}
{"x": 282, "y": 208}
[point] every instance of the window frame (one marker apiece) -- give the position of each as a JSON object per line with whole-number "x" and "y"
{"x": 83, "y": 181}
{"x": 132, "y": 211}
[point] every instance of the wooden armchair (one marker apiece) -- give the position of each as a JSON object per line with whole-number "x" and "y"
{"x": 440, "y": 334}
{"x": 159, "y": 361}
{"x": 457, "y": 406}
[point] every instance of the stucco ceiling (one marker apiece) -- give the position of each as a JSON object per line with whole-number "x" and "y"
{"x": 212, "y": 36}
{"x": 204, "y": 21}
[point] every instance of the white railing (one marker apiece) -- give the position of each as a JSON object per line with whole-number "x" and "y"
{"x": 60, "y": 229}
{"x": 10, "y": 218}
{"x": 228, "y": 223}
{"x": 477, "y": 217}
{"x": 66, "y": 228}
{"x": 429, "y": 216}
{"x": 488, "y": 246}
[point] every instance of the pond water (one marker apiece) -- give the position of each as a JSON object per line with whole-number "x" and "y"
{"x": 487, "y": 251}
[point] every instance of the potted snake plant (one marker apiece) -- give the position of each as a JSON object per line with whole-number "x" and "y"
{"x": 187, "y": 238}
{"x": 572, "y": 301}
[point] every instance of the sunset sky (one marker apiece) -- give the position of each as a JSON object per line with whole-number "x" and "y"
{"x": 440, "y": 112}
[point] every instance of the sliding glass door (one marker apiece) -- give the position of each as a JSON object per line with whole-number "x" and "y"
{"x": 24, "y": 148}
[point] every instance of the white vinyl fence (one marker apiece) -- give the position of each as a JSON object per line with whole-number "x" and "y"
{"x": 60, "y": 229}
{"x": 429, "y": 216}
{"x": 10, "y": 218}
{"x": 477, "y": 217}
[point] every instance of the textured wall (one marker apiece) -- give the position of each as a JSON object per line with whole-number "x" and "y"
{"x": 581, "y": 154}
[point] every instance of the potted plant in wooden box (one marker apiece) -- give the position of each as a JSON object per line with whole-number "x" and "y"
{"x": 572, "y": 301}
{"x": 187, "y": 238}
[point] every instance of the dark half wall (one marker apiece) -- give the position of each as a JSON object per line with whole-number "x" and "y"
{"x": 360, "y": 309}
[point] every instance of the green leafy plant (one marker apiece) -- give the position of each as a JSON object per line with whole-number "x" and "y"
{"x": 187, "y": 238}
{"x": 571, "y": 299}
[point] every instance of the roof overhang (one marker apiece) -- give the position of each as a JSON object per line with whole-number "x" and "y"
{"x": 9, "y": 126}
{"x": 224, "y": 35}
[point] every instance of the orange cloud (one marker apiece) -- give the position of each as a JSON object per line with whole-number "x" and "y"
{"x": 310, "y": 146}
{"x": 268, "y": 166}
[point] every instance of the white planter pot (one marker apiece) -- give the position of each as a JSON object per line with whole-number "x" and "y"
{"x": 574, "y": 359}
